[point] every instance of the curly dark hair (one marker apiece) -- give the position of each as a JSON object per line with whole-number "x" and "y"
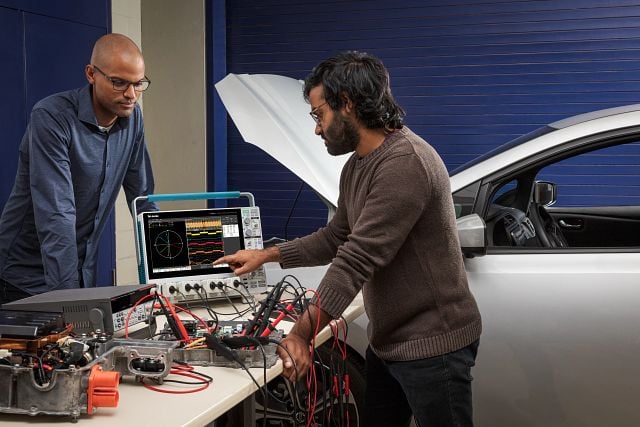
{"x": 363, "y": 79}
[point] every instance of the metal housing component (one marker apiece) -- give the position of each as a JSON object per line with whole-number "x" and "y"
{"x": 66, "y": 393}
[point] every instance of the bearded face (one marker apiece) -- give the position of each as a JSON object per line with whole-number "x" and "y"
{"x": 341, "y": 136}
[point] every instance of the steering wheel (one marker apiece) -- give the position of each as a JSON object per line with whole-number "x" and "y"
{"x": 547, "y": 230}
{"x": 510, "y": 226}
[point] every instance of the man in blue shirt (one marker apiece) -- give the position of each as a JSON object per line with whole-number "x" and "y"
{"x": 79, "y": 148}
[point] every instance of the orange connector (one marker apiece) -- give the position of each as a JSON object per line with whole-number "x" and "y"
{"x": 102, "y": 391}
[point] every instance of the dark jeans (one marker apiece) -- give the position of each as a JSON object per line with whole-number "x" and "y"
{"x": 437, "y": 390}
{"x": 9, "y": 293}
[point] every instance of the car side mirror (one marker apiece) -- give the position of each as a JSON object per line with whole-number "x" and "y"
{"x": 471, "y": 232}
{"x": 544, "y": 193}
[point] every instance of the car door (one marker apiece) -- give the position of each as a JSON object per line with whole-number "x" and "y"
{"x": 561, "y": 325}
{"x": 608, "y": 226}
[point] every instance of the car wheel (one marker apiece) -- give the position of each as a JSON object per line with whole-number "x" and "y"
{"x": 287, "y": 405}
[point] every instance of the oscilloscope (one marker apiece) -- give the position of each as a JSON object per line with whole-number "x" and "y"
{"x": 178, "y": 249}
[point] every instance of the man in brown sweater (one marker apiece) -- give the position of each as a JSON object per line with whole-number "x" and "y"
{"x": 394, "y": 237}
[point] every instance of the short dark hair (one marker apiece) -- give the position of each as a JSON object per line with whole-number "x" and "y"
{"x": 364, "y": 79}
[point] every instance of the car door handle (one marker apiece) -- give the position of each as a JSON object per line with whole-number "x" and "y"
{"x": 565, "y": 224}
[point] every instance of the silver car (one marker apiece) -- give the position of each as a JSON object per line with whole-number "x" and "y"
{"x": 557, "y": 285}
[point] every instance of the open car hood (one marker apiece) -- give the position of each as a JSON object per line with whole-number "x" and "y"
{"x": 271, "y": 113}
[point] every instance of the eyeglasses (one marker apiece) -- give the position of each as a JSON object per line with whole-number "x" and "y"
{"x": 314, "y": 113}
{"x": 123, "y": 85}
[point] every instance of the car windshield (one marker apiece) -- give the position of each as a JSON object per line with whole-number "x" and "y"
{"x": 504, "y": 147}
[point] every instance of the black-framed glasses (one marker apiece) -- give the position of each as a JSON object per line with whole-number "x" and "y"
{"x": 314, "y": 113}
{"x": 123, "y": 85}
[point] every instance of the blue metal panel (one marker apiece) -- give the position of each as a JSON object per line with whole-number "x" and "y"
{"x": 12, "y": 107}
{"x": 217, "y": 116}
{"x": 57, "y": 52}
{"x": 95, "y": 13}
{"x": 472, "y": 74}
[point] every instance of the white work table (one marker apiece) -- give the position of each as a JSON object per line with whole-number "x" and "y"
{"x": 140, "y": 406}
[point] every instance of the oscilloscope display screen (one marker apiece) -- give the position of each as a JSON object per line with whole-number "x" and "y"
{"x": 187, "y": 243}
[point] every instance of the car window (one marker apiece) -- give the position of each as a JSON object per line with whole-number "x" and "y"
{"x": 506, "y": 224}
{"x": 597, "y": 202}
{"x": 588, "y": 200}
{"x": 605, "y": 177}
{"x": 464, "y": 200}
{"x": 505, "y": 195}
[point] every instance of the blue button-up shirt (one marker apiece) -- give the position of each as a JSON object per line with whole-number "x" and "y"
{"x": 69, "y": 175}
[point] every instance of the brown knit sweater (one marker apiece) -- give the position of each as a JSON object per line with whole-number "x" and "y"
{"x": 394, "y": 236}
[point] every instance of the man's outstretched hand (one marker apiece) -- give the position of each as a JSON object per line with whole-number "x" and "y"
{"x": 246, "y": 261}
